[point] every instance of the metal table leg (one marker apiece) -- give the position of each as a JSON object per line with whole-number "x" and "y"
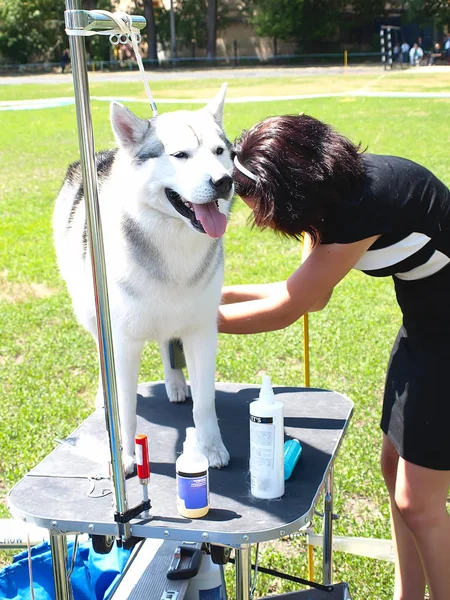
{"x": 328, "y": 529}
{"x": 243, "y": 568}
{"x": 58, "y": 546}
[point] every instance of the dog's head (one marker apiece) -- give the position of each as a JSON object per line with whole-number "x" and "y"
{"x": 181, "y": 161}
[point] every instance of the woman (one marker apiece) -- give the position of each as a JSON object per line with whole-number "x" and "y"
{"x": 386, "y": 216}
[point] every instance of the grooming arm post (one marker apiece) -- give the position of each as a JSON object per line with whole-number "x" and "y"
{"x": 58, "y": 547}
{"x": 77, "y": 21}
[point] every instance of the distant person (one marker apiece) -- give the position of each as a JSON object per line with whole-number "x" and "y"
{"x": 447, "y": 48}
{"x": 415, "y": 55}
{"x": 405, "y": 48}
{"x": 434, "y": 54}
{"x": 397, "y": 53}
{"x": 65, "y": 60}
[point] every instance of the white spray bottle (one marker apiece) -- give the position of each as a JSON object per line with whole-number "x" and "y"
{"x": 192, "y": 479}
{"x": 267, "y": 444}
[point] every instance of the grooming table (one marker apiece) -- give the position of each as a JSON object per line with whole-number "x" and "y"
{"x": 60, "y": 503}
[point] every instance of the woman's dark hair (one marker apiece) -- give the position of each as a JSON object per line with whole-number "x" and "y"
{"x": 304, "y": 169}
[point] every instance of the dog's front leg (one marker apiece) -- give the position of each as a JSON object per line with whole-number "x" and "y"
{"x": 200, "y": 349}
{"x": 127, "y": 355}
{"x": 174, "y": 379}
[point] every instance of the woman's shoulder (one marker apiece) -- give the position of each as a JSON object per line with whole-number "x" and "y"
{"x": 384, "y": 164}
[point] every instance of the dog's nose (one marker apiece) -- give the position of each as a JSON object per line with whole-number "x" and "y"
{"x": 222, "y": 185}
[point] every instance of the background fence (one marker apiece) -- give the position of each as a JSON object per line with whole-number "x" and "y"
{"x": 235, "y": 60}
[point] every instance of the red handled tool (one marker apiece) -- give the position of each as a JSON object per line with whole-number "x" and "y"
{"x": 143, "y": 465}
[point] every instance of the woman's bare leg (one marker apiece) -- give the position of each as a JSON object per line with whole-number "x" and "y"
{"x": 420, "y": 497}
{"x": 409, "y": 572}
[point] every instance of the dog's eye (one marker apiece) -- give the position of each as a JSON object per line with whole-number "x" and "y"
{"x": 220, "y": 150}
{"x": 180, "y": 155}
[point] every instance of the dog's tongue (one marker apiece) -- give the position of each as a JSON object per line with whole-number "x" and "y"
{"x": 214, "y": 222}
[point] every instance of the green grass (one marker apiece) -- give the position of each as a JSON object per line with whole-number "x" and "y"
{"x": 48, "y": 365}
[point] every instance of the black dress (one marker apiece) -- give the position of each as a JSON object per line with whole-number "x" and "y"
{"x": 410, "y": 208}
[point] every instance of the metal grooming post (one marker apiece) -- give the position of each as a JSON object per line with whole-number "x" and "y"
{"x": 243, "y": 558}
{"x": 328, "y": 529}
{"x": 58, "y": 546}
{"x": 77, "y": 20}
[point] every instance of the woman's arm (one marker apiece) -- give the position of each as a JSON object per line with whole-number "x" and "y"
{"x": 249, "y": 291}
{"x": 257, "y": 291}
{"x": 306, "y": 287}
{"x": 307, "y": 248}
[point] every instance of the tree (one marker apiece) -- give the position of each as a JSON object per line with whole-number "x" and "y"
{"x": 28, "y": 30}
{"x": 34, "y": 30}
{"x": 149, "y": 15}
{"x": 431, "y": 10}
{"x": 309, "y": 22}
{"x": 192, "y": 24}
{"x": 211, "y": 22}
{"x": 320, "y": 24}
{"x": 279, "y": 19}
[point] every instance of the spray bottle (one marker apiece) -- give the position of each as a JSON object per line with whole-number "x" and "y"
{"x": 192, "y": 479}
{"x": 208, "y": 583}
{"x": 267, "y": 444}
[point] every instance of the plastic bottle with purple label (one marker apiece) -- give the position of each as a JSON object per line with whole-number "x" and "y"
{"x": 192, "y": 479}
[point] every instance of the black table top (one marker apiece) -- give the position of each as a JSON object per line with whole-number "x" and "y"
{"x": 318, "y": 418}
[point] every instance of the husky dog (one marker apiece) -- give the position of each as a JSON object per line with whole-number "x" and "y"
{"x": 164, "y": 197}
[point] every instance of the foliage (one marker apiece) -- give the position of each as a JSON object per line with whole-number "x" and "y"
{"x": 191, "y": 22}
{"x": 429, "y": 10}
{"x": 31, "y": 30}
{"x": 309, "y": 22}
{"x": 321, "y": 21}
{"x": 280, "y": 19}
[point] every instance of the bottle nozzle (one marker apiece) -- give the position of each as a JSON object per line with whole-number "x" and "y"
{"x": 266, "y": 392}
{"x": 191, "y": 440}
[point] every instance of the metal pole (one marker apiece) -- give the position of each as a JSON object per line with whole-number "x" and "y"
{"x": 328, "y": 530}
{"x": 105, "y": 340}
{"x": 173, "y": 35}
{"x": 306, "y": 348}
{"x": 243, "y": 565}
{"x": 58, "y": 547}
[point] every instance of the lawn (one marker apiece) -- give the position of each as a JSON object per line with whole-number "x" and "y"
{"x": 48, "y": 365}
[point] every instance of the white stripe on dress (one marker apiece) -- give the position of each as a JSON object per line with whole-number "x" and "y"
{"x": 437, "y": 262}
{"x": 386, "y": 257}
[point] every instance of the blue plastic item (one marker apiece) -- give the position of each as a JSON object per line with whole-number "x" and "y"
{"x": 93, "y": 577}
{"x": 292, "y": 452}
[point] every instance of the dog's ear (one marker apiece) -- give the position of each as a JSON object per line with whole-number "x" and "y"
{"x": 129, "y": 130}
{"x": 215, "y": 106}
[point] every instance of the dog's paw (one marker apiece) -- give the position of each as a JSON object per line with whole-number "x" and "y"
{"x": 128, "y": 464}
{"x": 216, "y": 454}
{"x": 176, "y": 387}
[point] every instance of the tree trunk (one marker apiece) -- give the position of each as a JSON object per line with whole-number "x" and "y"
{"x": 88, "y": 5}
{"x": 173, "y": 35}
{"x": 212, "y": 29}
{"x": 149, "y": 15}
